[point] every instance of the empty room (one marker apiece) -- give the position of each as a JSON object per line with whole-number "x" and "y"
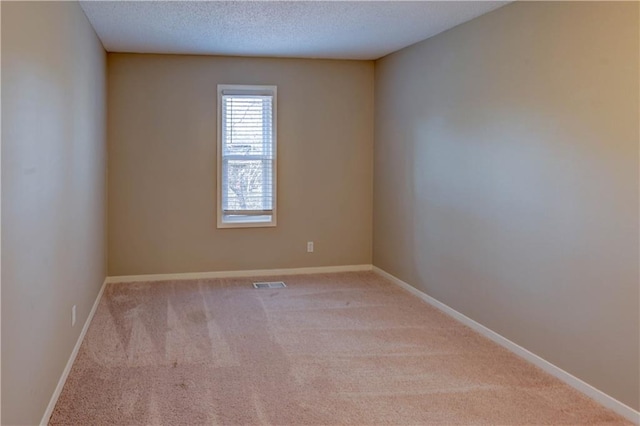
{"x": 320, "y": 212}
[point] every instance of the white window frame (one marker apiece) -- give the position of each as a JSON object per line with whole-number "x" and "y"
{"x": 247, "y": 221}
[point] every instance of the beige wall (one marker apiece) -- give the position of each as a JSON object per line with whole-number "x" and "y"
{"x": 162, "y": 159}
{"x": 53, "y": 195}
{"x": 506, "y": 180}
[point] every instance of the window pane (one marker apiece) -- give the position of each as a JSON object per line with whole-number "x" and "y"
{"x": 247, "y": 125}
{"x": 247, "y": 185}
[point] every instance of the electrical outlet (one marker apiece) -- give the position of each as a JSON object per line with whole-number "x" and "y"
{"x": 73, "y": 315}
{"x": 309, "y": 246}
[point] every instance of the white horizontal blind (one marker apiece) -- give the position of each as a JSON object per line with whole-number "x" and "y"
{"x": 247, "y": 155}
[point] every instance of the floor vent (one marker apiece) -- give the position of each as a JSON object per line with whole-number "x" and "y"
{"x": 271, "y": 284}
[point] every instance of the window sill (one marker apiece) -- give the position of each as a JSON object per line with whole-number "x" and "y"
{"x": 239, "y": 221}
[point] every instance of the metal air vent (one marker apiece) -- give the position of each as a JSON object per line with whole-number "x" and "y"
{"x": 270, "y": 284}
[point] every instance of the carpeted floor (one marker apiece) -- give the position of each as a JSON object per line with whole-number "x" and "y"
{"x": 348, "y": 348}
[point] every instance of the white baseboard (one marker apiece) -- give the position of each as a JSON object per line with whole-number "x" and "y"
{"x": 72, "y": 358}
{"x": 596, "y": 394}
{"x": 234, "y": 274}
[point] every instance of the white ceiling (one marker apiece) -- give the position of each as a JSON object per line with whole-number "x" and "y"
{"x": 303, "y": 29}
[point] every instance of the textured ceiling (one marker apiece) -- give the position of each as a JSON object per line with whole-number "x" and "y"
{"x": 308, "y": 29}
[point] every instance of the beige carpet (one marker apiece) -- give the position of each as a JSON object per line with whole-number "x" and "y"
{"x": 347, "y": 348}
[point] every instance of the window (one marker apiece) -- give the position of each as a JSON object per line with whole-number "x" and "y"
{"x": 246, "y": 156}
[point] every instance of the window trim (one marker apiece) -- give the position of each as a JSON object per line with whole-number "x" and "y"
{"x": 250, "y": 220}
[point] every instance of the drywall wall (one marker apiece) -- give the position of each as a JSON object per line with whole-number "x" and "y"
{"x": 162, "y": 164}
{"x": 506, "y": 180}
{"x": 53, "y": 195}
